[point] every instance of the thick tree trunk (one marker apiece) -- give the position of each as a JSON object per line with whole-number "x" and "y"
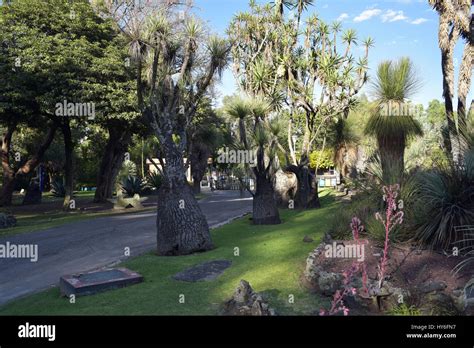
{"x": 196, "y": 185}
{"x": 181, "y": 226}
{"x": 8, "y": 174}
{"x": 68, "y": 164}
{"x": 29, "y": 165}
{"x": 112, "y": 161}
{"x": 392, "y": 158}
{"x": 306, "y": 196}
{"x": 199, "y": 156}
{"x": 265, "y": 210}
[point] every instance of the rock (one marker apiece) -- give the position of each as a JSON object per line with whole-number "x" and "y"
{"x": 432, "y": 286}
{"x": 392, "y": 297}
{"x": 7, "y": 220}
{"x": 128, "y": 203}
{"x": 438, "y": 303}
{"x": 308, "y": 239}
{"x": 285, "y": 187}
{"x": 329, "y": 282}
{"x": 247, "y": 302}
{"x": 327, "y": 239}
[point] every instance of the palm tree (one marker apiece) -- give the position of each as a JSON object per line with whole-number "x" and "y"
{"x": 455, "y": 20}
{"x": 394, "y": 83}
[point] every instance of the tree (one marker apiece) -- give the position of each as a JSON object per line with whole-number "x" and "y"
{"x": 176, "y": 64}
{"x": 263, "y": 136}
{"x": 205, "y": 135}
{"x": 455, "y": 21}
{"x": 394, "y": 84}
{"x": 59, "y": 48}
{"x": 289, "y": 62}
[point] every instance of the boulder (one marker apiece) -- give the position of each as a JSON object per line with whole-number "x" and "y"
{"x": 285, "y": 187}
{"x": 247, "y": 302}
{"x": 308, "y": 239}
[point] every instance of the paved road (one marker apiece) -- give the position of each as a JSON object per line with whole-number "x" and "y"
{"x": 95, "y": 243}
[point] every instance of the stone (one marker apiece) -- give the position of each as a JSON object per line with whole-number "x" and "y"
{"x": 432, "y": 286}
{"x": 7, "y": 220}
{"x": 329, "y": 282}
{"x": 203, "y": 272}
{"x": 127, "y": 203}
{"x": 438, "y": 303}
{"x": 246, "y": 302}
{"x": 308, "y": 239}
{"x": 97, "y": 281}
{"x": 285, "y": 187}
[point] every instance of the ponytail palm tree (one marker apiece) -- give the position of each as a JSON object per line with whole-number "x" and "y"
{"x": 394, "y": 84}
{"x": 262, "y": 136}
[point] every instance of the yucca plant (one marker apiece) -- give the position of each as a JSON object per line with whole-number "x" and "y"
{"x": 394, "y": 83}
{"x": 132, "y": 185}
{"x": 445, "y": 199}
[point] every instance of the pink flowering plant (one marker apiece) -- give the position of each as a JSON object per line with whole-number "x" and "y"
{"x": 393, "y": 217}
{"x": 337, "y": 304}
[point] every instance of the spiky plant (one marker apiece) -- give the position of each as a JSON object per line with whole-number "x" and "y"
{"x": 395, "y": 82}
{"x": 445, "y": 197}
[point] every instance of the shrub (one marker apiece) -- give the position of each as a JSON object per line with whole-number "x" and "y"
{"x": 132, "y": 185}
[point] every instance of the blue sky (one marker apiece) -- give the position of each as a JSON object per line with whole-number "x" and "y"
{"x": 399, "y": 28}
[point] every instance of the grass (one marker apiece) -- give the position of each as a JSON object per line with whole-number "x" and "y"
{"x": 272, "y": 259}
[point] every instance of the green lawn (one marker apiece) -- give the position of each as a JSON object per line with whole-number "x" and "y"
{"x": 271, "y": 258}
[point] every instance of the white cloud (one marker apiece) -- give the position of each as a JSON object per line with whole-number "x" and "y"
{"x": 419, "y": 21}
{"x": 393, "y": 16}
{"x": 342, "y": 17}
{"x": 325, "y": 6}
{"x": 367, "y": 14}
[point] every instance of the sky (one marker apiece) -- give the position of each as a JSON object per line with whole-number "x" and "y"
{"x": 399, "y": 27}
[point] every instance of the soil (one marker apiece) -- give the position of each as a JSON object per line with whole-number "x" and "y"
{"x": 408, "y": 266}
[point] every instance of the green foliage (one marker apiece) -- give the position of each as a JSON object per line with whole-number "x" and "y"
{"x": 57, "y": 187}
{"x": 322, "y": 159}
{"x": 391, "y": 126}
{"x": 132, "y": 185}
{"x": 395, "y": 81}
{"x": 404, "y": 310}
{"x": 154, "y": 180}
{"x": 129, "y": 168}
{"x": 445, "y": 199}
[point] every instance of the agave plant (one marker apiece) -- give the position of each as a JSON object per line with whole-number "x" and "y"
{"x": 394, "y": 83}
{"x": 445, "y": 198}
{"x": 154, "y": 180}
{"x": 132, "y": 185}
{"x": 57, "y": 187}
